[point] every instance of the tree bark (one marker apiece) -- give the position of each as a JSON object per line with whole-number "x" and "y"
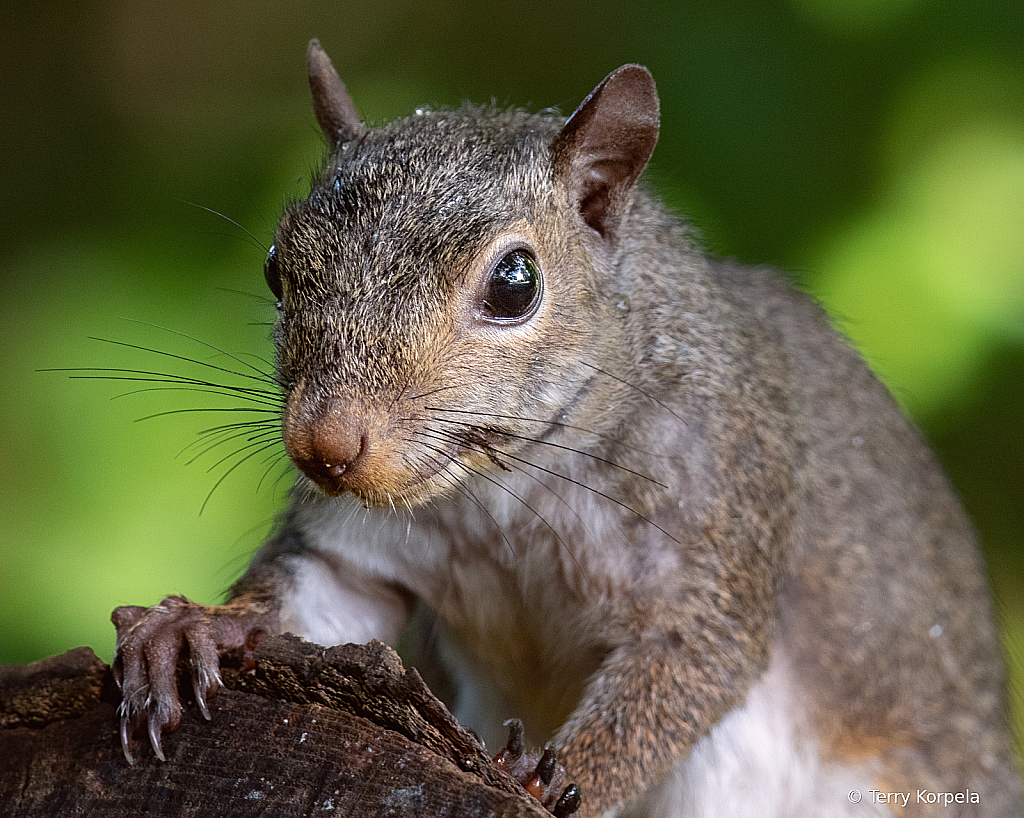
{"x": 308, "y": 731}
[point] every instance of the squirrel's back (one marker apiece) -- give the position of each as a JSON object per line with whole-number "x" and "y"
{"x": 886, "y": 611}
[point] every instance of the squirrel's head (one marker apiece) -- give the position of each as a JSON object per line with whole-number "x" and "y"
{"x": 444, "y": 284}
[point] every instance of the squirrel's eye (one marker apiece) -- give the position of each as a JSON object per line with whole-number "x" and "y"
{"x": 514, "y": 286}
{"x": 272, "y": 274}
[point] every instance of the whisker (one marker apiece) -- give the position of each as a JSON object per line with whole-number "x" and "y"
{"x": 497, "y": 483}
{"x": 546, "y": 422}
{"x": 160, "y": 377}
{"x": 264, "y": 376}
{"x": 209, "y": 409}
{"x": 230, "y": 431}
{"x": 402, "y": 391}
{"x": 565, "y": 547}
{"x": 636, "y": 388}
{"x": 253, "y": 356}
{"x": 217, "y": 440}
{"x": 259, "y": 388}
{"x": 205, "y": 435}
{"x": 212, "y": 389}
{"x": 261, "y": 443}
{"x": 224, "y": 476}
{"x": 598, "y": 458}
{"x": 447, "y": 472}
{"x": 461, "y": 442}
{"x": 284, "y": 473}
{"x": 253, "y": 439}
{"x": 454, "y": 437}
{"x": 238, "y": 425}
{"x": 465, "y": 491}
{"x": 275, "y": 457}
{"x": 259, "y": 297}
{"x": 422, "y": 395}
{"x": 273, "y": 462}
{"x": 230, "y": 220}
{"x": 598, "y": 492}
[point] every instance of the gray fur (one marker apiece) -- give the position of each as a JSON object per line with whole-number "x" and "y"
{"x": 625, "y": 507}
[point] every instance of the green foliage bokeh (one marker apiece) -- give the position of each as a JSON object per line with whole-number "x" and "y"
{"x": 874, "y": 148}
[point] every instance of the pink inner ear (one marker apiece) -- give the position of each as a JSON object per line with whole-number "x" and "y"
{"x": 606, "y": 143}
{"x": 594, "y": 193}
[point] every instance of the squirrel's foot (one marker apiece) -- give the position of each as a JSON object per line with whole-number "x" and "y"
{"x": 540, "y": 773}
{"x": 149, "y": 643}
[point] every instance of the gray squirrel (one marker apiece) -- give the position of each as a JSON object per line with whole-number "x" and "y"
{"x": 659, "y": 508}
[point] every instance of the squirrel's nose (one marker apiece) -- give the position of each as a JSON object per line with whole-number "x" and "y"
{"x": 327, "y": 448}
{"x": 330, "y": 457}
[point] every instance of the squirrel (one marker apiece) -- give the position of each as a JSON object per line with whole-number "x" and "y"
{"x": 658, "y": 507}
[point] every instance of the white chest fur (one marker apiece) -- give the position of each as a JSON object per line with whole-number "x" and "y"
{"x": 763, "y": 760}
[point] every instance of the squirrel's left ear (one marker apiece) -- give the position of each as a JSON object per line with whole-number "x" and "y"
{"x": 605, "y": 144}
{"x": 332, "y": 104}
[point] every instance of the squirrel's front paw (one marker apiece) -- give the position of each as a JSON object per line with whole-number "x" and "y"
{"x": 149, "y": 643}
{"x": 540, "y": 773}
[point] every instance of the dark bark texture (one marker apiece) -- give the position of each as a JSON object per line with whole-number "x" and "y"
{"x": 308, "y": 731}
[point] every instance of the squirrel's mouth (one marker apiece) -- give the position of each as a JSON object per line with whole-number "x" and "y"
{"x": 388, "y": 465}
{"x": 434, "y": 476}
{"x": 384, "y": 490}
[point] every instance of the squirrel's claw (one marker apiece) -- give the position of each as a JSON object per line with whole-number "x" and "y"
{"x": 568, "y": 802}
{"x": 514, "y": 747}
{"x": 197, "y": 689}
{"x": 126, "y": 735}
{"x": 154, "y": 740}
{"x": 149, "y": 644}
{"x": 540, "y": 774}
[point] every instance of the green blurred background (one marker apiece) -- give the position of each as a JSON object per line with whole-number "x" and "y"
{"x": 873, "y": 147}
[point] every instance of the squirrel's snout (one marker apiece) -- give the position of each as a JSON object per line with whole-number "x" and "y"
{"x": 361, "y": 446}
{"x": 330, "y": 447}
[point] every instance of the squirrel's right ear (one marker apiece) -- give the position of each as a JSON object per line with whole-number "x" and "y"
{"x": 605, "y": 144}
{"x": 331, "y": 101}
